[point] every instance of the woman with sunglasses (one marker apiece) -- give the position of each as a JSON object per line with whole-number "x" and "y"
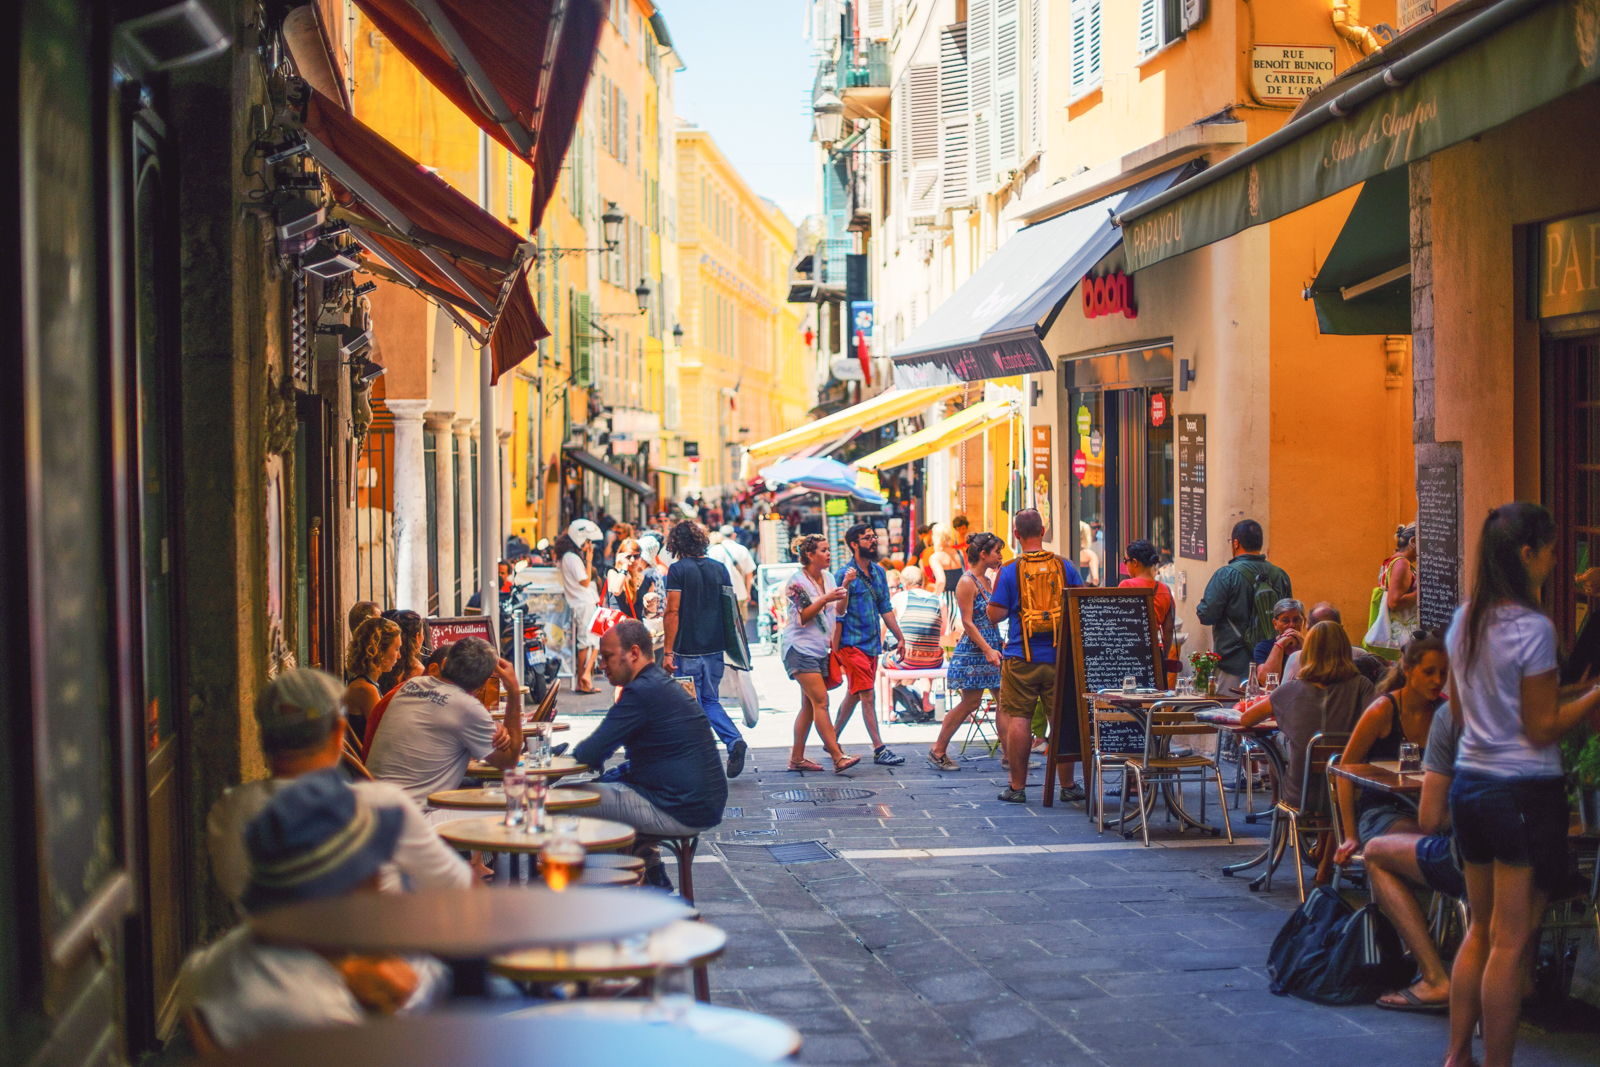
{"x": 631, "y": 585}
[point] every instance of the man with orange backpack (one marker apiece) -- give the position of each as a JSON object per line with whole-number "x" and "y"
{"x": 1029, "y": 591}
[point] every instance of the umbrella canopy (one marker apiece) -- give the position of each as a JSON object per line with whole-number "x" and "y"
{"x": 821, "y": 475}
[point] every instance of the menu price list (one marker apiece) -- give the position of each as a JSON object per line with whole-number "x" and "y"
{"x": 1192, "y": 486}
{"x": 1438, "y": 545}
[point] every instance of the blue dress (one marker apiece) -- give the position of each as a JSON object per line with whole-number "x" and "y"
{"x": 967, "y": 668}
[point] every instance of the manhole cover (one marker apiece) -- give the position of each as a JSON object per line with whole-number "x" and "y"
{"x": 822, "y": 794}
{"x": 793, "y": 852}
{"x": 738, "y": 813}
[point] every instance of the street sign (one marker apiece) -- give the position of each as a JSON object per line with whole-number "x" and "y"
{"x": 1288, "y": 73}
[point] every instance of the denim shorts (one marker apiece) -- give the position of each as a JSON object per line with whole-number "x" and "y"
{"x": 797, "y": 662}
{"x": 1520, "y": 822}
{"x": 1437, "y": 862}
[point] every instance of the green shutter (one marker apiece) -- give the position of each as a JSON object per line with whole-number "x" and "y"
{"x": 582, "y": 375}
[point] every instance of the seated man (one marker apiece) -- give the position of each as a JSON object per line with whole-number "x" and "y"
{"x": 302, "y": 730}
{"x": 1321, "y": 611}
{"x": 431, "y": 665}
{"x": 1289, "y": 631}
{"x": 316, "y": 838}
{"x": 674, "y": 785}
{"x": 435, "y": 726}
{"x": 1396, "y": 862}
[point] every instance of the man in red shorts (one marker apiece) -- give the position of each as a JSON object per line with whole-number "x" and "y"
{"x": 861, "y": 633}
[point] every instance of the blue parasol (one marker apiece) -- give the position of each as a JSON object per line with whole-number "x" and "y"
{"x": 820, "y": 475}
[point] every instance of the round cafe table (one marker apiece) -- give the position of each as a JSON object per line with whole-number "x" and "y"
{"x": 560, "y": 767}
{"x": 495, "y": 799}
{"x": 491, "y": 834}
{"x": 679, "y": 944}
{"x": 484, "y": 1040}
{"x": 759, "y": 1036}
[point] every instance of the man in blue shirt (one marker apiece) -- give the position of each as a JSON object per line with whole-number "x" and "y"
{"x": 861, "y": 634}
{"x": 1026, "y": 679}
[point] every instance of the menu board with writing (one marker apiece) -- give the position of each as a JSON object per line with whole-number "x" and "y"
{"x": 1192, "y": 486}
{"x": 1438, "y": 544}
{"x": 1111, "y": 634}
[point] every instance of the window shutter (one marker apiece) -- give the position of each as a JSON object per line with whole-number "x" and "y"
{"x": 581, "y": 341}
{"x": 954, "y": 114}
{"x": 1149, "y": 26}
{"x": 1079, "y": 31}
{"x": 924, "y": 123}
{"x": 980, "y": 83}
{"x": 1036, "y": 74}
{"x": 1008, "y": 86}
{"x": 1096, "y": 72}
{"x": 875, "y": 25}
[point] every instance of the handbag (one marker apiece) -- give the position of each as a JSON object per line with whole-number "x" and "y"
{"x": 1378, "y": 633}
{"x": 736, "y": 647}
{"x": 1328, "y": 954}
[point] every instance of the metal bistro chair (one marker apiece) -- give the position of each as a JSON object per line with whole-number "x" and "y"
{"x": 1103, "y": 761}
{"x": 1355, "y": 866}
{"x": 1156, "y": 766}
{"x": 1313, "y": 815}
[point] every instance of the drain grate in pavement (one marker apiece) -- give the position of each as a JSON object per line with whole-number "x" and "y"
{"x": 738, "y": 813}
{"x": 793, "y": 852}
{"x": 823, "y": 793}
{"x": 754, "y": 833}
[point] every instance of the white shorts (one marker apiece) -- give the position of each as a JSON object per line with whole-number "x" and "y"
{"x": 582, "y": 622}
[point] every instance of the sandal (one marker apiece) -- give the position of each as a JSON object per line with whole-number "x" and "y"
{"x": 943, "y": 763}
{"x": 804, "y": 765}
{"x": 1409, "y": 1001}
{"x": 842, "y": 765}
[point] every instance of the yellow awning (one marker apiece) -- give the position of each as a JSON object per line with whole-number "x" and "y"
{"x": 941, "y": 435}
{"x": 867, "y": 415}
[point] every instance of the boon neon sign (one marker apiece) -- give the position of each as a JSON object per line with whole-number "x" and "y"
{"x": 1108, "y": 295}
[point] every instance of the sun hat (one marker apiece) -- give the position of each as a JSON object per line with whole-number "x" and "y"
{"x": 315, "y": 839}
{"x": 582, "y": 530}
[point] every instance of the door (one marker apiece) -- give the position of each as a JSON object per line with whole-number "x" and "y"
{"x": 1573, "y": 454}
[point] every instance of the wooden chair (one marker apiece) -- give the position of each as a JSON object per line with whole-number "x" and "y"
{"x": 1313, "y": 815}
{"x": 683, "y": 848}
{"x": 1157, "y": 766}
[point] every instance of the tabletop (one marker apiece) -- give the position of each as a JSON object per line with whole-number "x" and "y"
{"x": 491, "y": 834}
{"x": 468, "y": 923}
{"x": 558, "y": 799}
{"x": 679, "y": 944}
{"x": 431, "y": 1039}
{"x": 560, "y": 767}
{"x": 1385, "y": 778}
{"x": 1146, "y": 697}
{"x": 767, "y": 1039}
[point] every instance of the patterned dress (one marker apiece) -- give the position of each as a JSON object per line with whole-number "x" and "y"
{"x": 968, "y": 669}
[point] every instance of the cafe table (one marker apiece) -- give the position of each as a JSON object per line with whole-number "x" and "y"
{"x": 760, "y": 1036}
{"x": 491, "y": 834}
{"x": 492, "y": 799}
{"x": 1384, "y": 776}
{"x": 1138, "y": 704}
{"x": 559, "y": 767}
{"x": 465, "y": 926}
{"x": 683, "y": 943}
{"x": 1258, "y": 737}
{"x": 486, "y": 1040}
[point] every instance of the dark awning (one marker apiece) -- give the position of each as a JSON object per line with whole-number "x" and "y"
{"x": 1364, "y": 286}
{"x": 610, "y": 473}
{"x": 517, "y": 68}
{"x": 990, "y": 326}
{"x": 429, "y": 236}
{"x": 1448, "y": 78}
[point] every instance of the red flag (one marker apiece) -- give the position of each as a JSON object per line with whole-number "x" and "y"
{"x": 864, "y": 356}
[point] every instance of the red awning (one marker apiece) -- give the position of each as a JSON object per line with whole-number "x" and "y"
{"x": 518, "y": 68}
{"x": 429, "y": 236}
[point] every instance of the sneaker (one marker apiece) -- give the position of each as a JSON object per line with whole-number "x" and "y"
{"x": 885, "y": 757}
{"x": 1015, "y": 796}
{"x": 1072, "y": 794}
{"x": 657, "y": 876}
{"x": 736, "y": 758}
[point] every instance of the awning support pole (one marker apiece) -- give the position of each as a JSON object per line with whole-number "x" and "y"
{"x": 488, "y": 498}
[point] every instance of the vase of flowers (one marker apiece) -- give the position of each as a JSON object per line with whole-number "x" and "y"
{"x": 1205, "y": 671}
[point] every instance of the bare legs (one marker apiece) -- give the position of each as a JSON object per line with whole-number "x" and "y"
{"x": 1391, "y": 862}
{"x": 970, "y": 699}
{"x": 1016, "y": 739}
{"x": 1487, "y": 980}
{"x": 585, "y": 679}
{"x": 813, "y": 709}
{"x": 868, "y": 713}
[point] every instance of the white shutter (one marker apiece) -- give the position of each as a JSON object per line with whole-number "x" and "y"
{"x": 1096, "y": 71}
{"x": 955, "y": 116}
{"x": 1149, "y": 26}
{"x": 980, "y": 86}
{"x": 923, "y": 119}
{"x": 1008, "y": 84}
{"x": 1036, "y": 75}
{"x": 875, "y": 22}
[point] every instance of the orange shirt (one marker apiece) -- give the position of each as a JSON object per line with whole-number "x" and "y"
{"x": 1163, "y": 598}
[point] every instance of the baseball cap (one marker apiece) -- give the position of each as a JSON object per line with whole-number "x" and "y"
{"x": 297, "y": 707}
{"x": 727, "y": 529}
{"x": 582, "y": 530}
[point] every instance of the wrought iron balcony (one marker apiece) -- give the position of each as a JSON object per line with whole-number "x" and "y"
{"x": 863, "y": 64}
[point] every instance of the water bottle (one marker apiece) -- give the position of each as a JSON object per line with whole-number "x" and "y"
{"x": 938, "y": 705}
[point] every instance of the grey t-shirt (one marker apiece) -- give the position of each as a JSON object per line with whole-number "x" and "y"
{"x": 430, "y": 732}
{"x": 1303, "y": 711}
{"x": 1444, "y": 737}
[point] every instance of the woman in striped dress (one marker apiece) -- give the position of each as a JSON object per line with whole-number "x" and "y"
{"x": 975, "y": 664}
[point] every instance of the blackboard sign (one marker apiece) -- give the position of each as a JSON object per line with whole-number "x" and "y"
{"x": 1111, "y": 633}
{"x": 1438, "y": 544}
{"x": 1192, "y": 486}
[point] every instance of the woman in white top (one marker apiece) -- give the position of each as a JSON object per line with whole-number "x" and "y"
{"x": 812, "y": 606}
{"x": 1508, "y": 800}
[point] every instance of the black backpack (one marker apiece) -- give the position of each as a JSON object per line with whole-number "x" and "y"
{"x": 908, "y": 705}
{"x": 1329, "y": 953}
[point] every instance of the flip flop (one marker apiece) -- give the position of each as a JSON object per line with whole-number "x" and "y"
{"x": 804, "y": 765}
{"x": 1413, "y": 1002}
{"x": 840, "y": 766}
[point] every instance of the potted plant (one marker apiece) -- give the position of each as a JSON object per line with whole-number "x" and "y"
{"x": 1205, "y": 671}
{"x": 1580, "y": 757}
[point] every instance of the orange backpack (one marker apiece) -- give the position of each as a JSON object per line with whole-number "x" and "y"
{"x": 1041, "y": 583}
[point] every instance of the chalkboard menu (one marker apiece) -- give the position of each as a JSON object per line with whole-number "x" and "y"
{"x": 1111, "y": 634}
{"x": 1192, "y": 486}
{"x": 1438, "y": 544}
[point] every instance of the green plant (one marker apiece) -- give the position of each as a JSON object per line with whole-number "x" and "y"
{"x": 1580, "y": 759}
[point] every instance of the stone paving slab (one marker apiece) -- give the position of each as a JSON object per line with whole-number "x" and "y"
{"x": 1102, "y": 954}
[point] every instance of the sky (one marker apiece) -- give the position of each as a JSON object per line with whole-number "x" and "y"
{"x": 748, "y": 79}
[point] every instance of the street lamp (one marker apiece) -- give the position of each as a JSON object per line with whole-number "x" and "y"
{"x": 677, "y": 334}
{"x": 611, "y": 226}
{"x": 828, "y": 117}
{"x": 643, "y": 293}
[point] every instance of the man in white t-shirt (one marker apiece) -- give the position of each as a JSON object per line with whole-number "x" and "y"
{"x": 741, "y": 565}
{"x": 435, "y": 726}
{"x": 302, "y": 730}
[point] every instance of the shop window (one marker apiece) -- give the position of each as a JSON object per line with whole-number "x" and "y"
{"x": 1572, "y": 448}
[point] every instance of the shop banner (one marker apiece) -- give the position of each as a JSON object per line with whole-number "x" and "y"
{"x": 1541, "y": 56}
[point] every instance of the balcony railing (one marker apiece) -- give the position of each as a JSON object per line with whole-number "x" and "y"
{"x": 863, "y": 63}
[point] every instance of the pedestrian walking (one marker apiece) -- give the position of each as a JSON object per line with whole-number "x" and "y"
{"x": 1028, "y": 591}
{"x": 975, "y": 664}
{"x": 694, "y": 633}
{"x": 574, "y": 551}
{"x": 1238, "y": 603}
{"x": 741, "y": 565}
{"x": 866, "y": 612}
{"x": 1508, "y": 800}
{"x": 1394, "y": 617}
{"x": 812, "y": 600}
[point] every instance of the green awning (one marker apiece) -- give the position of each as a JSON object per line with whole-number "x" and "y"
{"x": 1503, "y": 61}
{"x": 1364, "y": 285}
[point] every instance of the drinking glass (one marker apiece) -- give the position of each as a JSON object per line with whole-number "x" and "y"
{"x": 536, "y": 743}
{"x": 1410, "y": 756}
{"x": 538, "y": 791}
{"x": 1130, "y": 685}
{"x": 1272, "y": 682}
{"x": 561, "y": 858}
{"x": 515, "y": 784}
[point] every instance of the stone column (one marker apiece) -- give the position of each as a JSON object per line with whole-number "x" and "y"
{"x": 466, "y": 533}
{"x": 410, "y": 506}
{"x": 444, "y": 520}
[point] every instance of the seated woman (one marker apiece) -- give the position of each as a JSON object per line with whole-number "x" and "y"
{"x": 922, "y": 619}
{"x": 1326, "y": 697}
{"x": 374, "y": 650}
{"x": 413, "y": 650}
